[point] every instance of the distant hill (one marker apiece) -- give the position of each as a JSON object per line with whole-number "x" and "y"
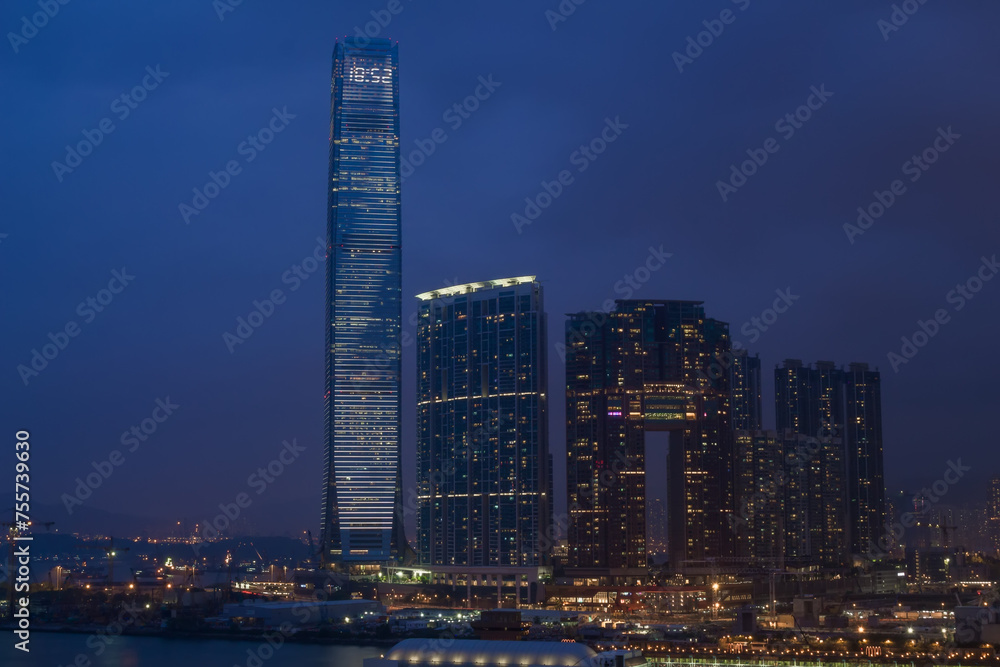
{"x": 288, "y": 519}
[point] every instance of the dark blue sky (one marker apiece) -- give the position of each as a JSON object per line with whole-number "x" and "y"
{"x": 656, "y": 184}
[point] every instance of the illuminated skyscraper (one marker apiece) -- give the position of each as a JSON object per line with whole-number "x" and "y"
{"x": 483, "y": 467}
{"x": 362, "y": 493}
{"x": 645, "y": 367}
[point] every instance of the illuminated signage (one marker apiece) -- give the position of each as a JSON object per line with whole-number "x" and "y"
{"x": 377, "y": 74}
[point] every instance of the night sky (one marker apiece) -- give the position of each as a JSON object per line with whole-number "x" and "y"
{"x": 558, "y": 81}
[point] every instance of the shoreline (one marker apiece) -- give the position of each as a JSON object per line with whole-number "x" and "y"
{"x": 243, "y": 636}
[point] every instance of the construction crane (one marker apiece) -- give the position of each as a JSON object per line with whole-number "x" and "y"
{"x": 111, "y": 552}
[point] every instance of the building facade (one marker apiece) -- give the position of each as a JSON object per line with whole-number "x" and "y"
{"x": 483, "y": 465}
{"x": 791, "y": 500}
{"x": 760, "y": 498}
{"x": 646, "y": 367}
{"x": 865, "y": 472}
{"x": 815, "y": 532}
{"x": 745, "y": 382}
{"x": 362, "y": 492}
{"x": 809, "y": 400}
{"x": 843, "y": 405}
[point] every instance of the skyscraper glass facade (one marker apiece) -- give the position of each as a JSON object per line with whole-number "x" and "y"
{"x": 483, "y": 468}
{"x": 362, "y": 476}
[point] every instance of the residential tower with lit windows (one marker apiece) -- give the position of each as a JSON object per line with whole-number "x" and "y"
{"x": 647, "y": 366}
{"x": 483, "y": 466}
{"x": 843, "y": 406}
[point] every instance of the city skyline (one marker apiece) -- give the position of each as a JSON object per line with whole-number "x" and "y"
{"x": 634, "y": 333}
{"x": 259, "y": 233}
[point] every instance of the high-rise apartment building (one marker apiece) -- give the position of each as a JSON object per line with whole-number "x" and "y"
{"x": 791, "y": 499}
{"x": 647, "y": 366}
{"x": 826, "y": 403}
{"x": 808, "y": 400}
{"x": 362, "y": 492}
{"x": 760, "y": 498}
{"x": 993, "y": 513}
{"x": 863, "y": 439}
{"x": 815, "y": 532}
{"x": 483, "y": 465}
{"x": 745, "y": 382}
